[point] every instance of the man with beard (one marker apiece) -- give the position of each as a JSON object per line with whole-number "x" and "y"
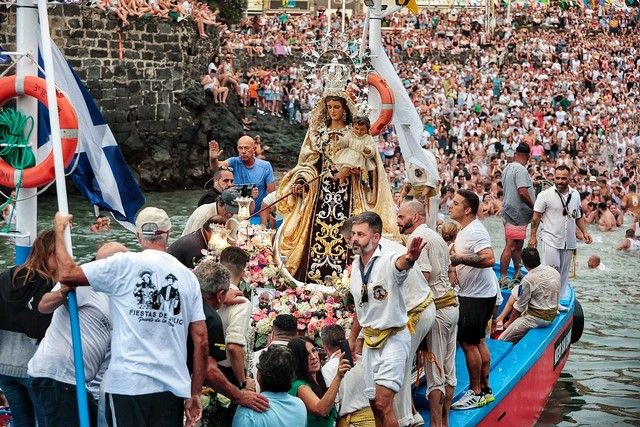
{"x": 222, "y": 179}
{"x": 558, "y": 208}
{"x": 433, "y": 264}
{"x": 381, "y": 314}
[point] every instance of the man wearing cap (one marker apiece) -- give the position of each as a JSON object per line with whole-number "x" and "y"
{"x": 147, "y": 383}
{"x": 517, "y": 209}
{"x": 226, "y": 206}
{"x": 247, "y": 168}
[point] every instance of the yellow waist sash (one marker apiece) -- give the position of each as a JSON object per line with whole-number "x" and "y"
{"x": 449, "y": 299}
{"x": 548, "y": 314}
{"x": 376, "y": 338}
{"x": 414, "y": 313}
{"x": 360, "y": 418}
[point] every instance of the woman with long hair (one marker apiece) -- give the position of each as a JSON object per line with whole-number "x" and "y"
{"x": 309, "y": 385}
{"x": 22, "y": 325}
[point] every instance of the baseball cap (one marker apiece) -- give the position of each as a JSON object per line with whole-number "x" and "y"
{"x": 152, "y": 221}
{"x": 593, "y": 179}
{"x": 228, "y": 200}
{"x": 523, "y": 148}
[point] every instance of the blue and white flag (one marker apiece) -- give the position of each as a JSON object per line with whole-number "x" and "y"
{"x": 98, "y": 170}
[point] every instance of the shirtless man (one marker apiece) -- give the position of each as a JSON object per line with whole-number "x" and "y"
{"x": 607, "y": 221}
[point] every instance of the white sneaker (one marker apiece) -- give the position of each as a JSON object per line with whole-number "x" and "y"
{"x": 469, "y": 400}
{"x": 562, "y": 308}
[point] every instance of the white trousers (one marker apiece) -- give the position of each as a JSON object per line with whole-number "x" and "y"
{"x": 441, "y": 341}
{"x": 560, "y": 259}
{"x": 402, "y": 402}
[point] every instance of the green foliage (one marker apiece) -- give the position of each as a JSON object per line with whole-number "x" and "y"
{"x": 261, "y": 341}
{"x": 231, "y": 11}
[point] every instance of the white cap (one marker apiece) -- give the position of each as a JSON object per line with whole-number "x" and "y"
{"x": 152, "y": 221}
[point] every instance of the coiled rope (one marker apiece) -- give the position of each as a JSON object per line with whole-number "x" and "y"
{"x": 15, "y": 150}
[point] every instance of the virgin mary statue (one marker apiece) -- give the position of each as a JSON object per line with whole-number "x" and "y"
{"x": 319, "y": 202}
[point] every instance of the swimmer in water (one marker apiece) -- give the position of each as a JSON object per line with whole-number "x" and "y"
{"x": 630, "y": 242}
{"x": 594, "y": 263}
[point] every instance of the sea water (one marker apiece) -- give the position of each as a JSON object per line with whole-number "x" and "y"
{"x": 600, "y": 384}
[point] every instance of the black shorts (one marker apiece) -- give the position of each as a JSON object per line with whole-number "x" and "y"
{"x": 156, "y": 409}
{"x": 475, "y": 313}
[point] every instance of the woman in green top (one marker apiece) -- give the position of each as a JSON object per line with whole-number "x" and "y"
{"x": 309, "y": 384}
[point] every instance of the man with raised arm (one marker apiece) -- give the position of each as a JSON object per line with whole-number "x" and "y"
{"x": 381, "y": 314}
{"x": 147, "y": 382}
{"x": 247, "y": 168}
{"x": 473, "y": 258}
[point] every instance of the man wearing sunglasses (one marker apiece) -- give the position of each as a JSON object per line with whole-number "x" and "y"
{"x": 376, "y": 284}
{"x": 558, "y": 209}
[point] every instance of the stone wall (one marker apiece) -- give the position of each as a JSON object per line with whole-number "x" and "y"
{"x": 150, "y": 96}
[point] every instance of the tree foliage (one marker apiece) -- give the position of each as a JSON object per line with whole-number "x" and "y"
{"x": 231, "y": 11}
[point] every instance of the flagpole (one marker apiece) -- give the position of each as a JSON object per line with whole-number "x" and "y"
{"x": 63, "y": 207}
{"x": 26, "y": 208}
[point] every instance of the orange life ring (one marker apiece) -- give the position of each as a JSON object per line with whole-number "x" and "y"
{"x": 44, "y": 172}
{"x": 386, "y": 99}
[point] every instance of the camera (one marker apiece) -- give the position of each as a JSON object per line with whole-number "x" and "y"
{"x": 245, "y": 190}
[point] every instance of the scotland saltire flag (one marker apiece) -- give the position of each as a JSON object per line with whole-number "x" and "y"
{"x": 99, "y": 169}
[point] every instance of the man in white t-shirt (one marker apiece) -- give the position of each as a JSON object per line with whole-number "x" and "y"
{"x": 52, "y": 367}
{"x": 147, "y": 382}
{"x": 558, "y": 209}
{"x": 473, "y": 258}
{"x": 376, "y": 284}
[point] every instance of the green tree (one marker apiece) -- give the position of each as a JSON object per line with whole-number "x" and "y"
{"x": 231, "y": 11}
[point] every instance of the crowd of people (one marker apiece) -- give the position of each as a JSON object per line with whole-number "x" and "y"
{"x": 540, "y": 132}
{"x": 562, "y": 81}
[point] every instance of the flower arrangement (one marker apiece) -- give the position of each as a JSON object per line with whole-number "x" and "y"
{"x": 261, "y": 271}
{"x": 313, "y": 311}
